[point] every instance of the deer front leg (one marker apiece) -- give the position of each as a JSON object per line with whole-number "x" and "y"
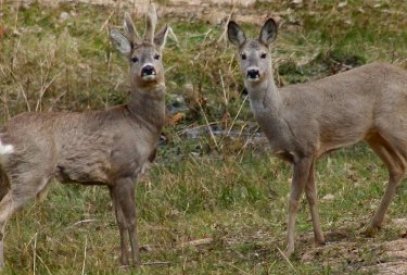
{"x": 121, "y": 222}
{"x": 300, "y": 177}
{"x": 125, "y": 200}
{"x": 312, "y": 198}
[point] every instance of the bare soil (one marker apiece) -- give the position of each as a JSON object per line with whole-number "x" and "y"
{"x": 345, "y": 251}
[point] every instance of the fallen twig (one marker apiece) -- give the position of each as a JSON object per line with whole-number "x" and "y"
{"x": 195, "y": 242}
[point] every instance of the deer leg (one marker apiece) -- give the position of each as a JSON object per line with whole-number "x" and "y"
{"x": 121, "y": 222}
{"x": 125, "y": 191}
{"x": 6, "y": 210}
{"x": 394, "y": 181}
{"x": 23, "y": 188}
{"x": 396, "y": 174}
{"x": 312, "y": 198}
{"x": 300, "y": 177}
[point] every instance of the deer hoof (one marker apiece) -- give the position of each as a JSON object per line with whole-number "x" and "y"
{"x": 319, "y": 242}
{"x": 288, "y": 252}
{"x": 371, "y": 231}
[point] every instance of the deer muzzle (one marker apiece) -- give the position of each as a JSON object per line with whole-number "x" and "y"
{"x": 148, "y": 72}
{"x": 253, "y": 74}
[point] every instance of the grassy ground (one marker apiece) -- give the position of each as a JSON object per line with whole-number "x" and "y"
{"x": 198, "y": 188}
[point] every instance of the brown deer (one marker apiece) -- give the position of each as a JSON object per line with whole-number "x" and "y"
{"x": 109, "y": 147}
{"x": 304, "y": 121}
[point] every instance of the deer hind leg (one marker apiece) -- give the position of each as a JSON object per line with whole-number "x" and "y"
{"x": 22, "y": 189}
{"x": 312, "y": 198}
{"x": 393, "y": 160}
{"x": 300, "y": 177}
{"x": 7, "y": 208}
{"x": 124, "y": 200}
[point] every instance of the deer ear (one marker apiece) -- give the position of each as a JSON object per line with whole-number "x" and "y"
{"x": 161, "y": 37}
{"x": 121, "y": 42}
{"x": 268, "y": 32}
{"x": 235, "y": 34}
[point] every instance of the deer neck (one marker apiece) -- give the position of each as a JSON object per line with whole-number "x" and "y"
{"x": 266, "y": 104}
{"x": 147, "y": 107}
{"x": 265, "y": 98}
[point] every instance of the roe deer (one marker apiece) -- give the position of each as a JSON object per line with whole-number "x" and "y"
{"x": 107, "y": 147}
{"x": 304, "y": 121}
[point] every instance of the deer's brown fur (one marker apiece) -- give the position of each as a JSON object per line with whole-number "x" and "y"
{"x": 304, "y": 121}
{"x": 108, "y": 147}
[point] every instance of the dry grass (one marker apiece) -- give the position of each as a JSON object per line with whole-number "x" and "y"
{"x": 207, "y": 188}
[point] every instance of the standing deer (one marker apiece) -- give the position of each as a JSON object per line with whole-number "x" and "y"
{"x": 107, "y": 147}
{"x": 304, "y": 121}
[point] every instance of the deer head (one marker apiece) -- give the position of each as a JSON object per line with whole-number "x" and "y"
{"x": 144, "y": 54}
{"x": 255, "y": 60}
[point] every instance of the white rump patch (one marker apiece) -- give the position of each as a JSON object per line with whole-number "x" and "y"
{"x": 6, "y": 149}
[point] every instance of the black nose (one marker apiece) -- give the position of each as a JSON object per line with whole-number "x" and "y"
{"x": 147, "y": 70}
{"x": 253, "y": 73}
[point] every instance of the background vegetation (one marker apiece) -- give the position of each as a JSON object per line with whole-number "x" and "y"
{"x": 227, "y": 191}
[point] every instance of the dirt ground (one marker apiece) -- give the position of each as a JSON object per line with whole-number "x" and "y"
{"x": 390, "y": 257}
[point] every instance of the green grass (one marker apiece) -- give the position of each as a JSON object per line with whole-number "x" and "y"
{"x": 196, "y": 190}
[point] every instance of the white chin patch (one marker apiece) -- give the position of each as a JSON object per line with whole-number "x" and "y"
{"x": 148, "y": 77}
{"x": 6, "y": 149}
{"x": 250, "y": 79}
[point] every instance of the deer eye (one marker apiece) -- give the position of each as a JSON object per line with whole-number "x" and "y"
{"x": 263, "y": 55}
{"x": 156, "y": 56}
{"x": 134, "y": 59}
{"x": 243, "y": 56}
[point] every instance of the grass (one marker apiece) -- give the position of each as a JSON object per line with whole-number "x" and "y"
{"x": 197, "y": 189}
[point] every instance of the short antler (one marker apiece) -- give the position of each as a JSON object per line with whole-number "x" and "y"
{"x": 130, "y": 29}
{"x": 150, "y": 24}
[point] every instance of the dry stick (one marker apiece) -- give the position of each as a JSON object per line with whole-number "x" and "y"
{"x": 230, "y": 62}
{"x": 209, "y": 128}
{"x": 22, "y": 91}
{"x": 245, "y": 144}
{"x": 61, "y": 95}
{"x": 237, "y": 115}
{"x": 12, "y": 68}
{"x": 106, "y": 21}
{"x": 225, "y": 94}
{"x": 15, "y": 46}
{"x": 83, "y": 222}
{"x": 195, "y": 242}
{"x": 287, "y": 260}
{"x": 6, "y": 108}
{"x": 84, "y": 256}
{"x": 188, "y": 244}
{"x": 173, "y": 36}
{"x": 25, "y": 97}
{"x": 13, "y": 60}
{"x": 206, "y": 35}
{"x": 239, "y": 269}
{"x": 42, "y": 261}
{"x": 44, "y": 89}
{"x": 35, "y": 253}
{"x": 156, "y": 263}
{"x": 225, "y": 29}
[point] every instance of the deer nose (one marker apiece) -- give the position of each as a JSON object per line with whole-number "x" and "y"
{"x": 253, "y": 73}
{"x": 148, "y": 70}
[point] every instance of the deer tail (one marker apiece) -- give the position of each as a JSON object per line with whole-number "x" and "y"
{"x": 5, "y": 150}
